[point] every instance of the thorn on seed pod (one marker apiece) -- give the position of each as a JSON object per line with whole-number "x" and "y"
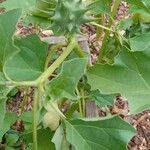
{"x": 69, "y": 15}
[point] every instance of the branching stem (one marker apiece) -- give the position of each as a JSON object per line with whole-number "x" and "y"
{"x": 35, "y": 120}
{"x": 115, "y": 6}
{"x": 57, "y": 62}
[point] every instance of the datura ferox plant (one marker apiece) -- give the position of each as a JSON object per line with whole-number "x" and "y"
{"x": 68, "y": 78}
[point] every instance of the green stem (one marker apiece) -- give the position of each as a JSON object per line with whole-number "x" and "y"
{"x": 79, "y": 51}
{"x": 71, "y": 110}
{"x": 50, "y": 54}
{"x": 80, "y": 108}
{"x": 57, "y": 110}
{"x": 47, "y": 72}
{"x": 101, "y": 22}
{"x": 57, "y": 62}
{"x": 35, "y": 108}
{"x": 103, "y": 27}
{"x": 80, "y": 103}
{"x": 115, "y": 6}
{"x": 83, "y": 100}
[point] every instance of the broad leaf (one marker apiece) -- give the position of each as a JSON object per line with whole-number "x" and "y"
{"x": 13, "y": 4}
{"x": 11, "y": 139}
{"x": 7, "y": 28}
{"x": 9, "y": 119}
{"x": 129, "y": 75}
{"x": 140, "y": 43}
{"x": 99, "y": 134}
{"x": 103, "y": 100}
{"x": 2, "y": 110}
{"x": 44, "y": 139}
{"x": 59, "y": 139}
{"x": 101, "y": 6}
{"x": 29, "y": 63}
{"x": 141, "y": 9}
{"x": 65, "y": 84}
{"x": 3, "y": 97}
{"x": 41, "y": 13}
{"x": 143, "y": 4}
{"x": 9, "y": 148}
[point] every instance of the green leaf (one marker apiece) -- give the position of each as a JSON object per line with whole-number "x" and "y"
{"x": 63, "y": 86}
{"x": 44, "y": 137}
{"x": 9, "y": 119}
{"x": 140, "y": 43}
{"x": 138, "y": 3}
{"x": 59, "y": 139}
{"x": 41, "y": 13}
{"x": 101, "y": 6}
{"x": 11, "y": 139}
{"x": 44, "y": 140}
{"x": 2, "y": 110}
{"x": 3, "y": 97}
{"x": 141, "y": 8}
{"x": 8, "y": 23}
{"x": 103, "y": 100}
{"x": 37, "y": 21}
{"x": 129, "y": 75}
{"x": 9, "y": 148}
{"x": 26, "y": 116}
{"x": 28, "y": 64}
{"x": 99, "y": 134}
{"x": 13, "y": 4}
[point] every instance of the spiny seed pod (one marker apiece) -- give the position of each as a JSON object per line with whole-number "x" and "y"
{"x": 69, "y": 15}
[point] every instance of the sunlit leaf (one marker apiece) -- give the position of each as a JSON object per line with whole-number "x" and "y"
{"x": 13, "y": 4}
{"x": 103, "y": 100}
{"x": 65, "y": 84}
{"x": 8, "y": 23}
{"x": 129, "y": 75}
{"x": 9, "y": 119}
{"x": 95, "y": 134}
{"x": 29, "y": 63}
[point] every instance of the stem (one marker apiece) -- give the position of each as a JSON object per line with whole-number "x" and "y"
{"x": 35, "y": 108}
{"x": 57, "y": 111}
{"x": 80, "y": 108}
{"x": 71, "y": 110}
{"x": 47, "y": 72}
{"x": 103, "y": 27}
{"x": 57, "y": 62}
{"x": 115, "y": 6}
{"x": 80, "y": 103}
{"x": 50, "y": 54}
{"x": 101, "y": 21}
{"x": 79, "y": 51}
{"x": 83, "y": 101}
{"x": 14, "y": 83}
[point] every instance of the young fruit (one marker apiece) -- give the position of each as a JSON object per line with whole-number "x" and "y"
{"x": 51, "y": 118}
{"x": 69, "y": 15}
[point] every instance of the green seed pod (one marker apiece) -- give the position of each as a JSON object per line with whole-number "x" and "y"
{"x": 69, "y": 15}
{"x": 51, "y": 118}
